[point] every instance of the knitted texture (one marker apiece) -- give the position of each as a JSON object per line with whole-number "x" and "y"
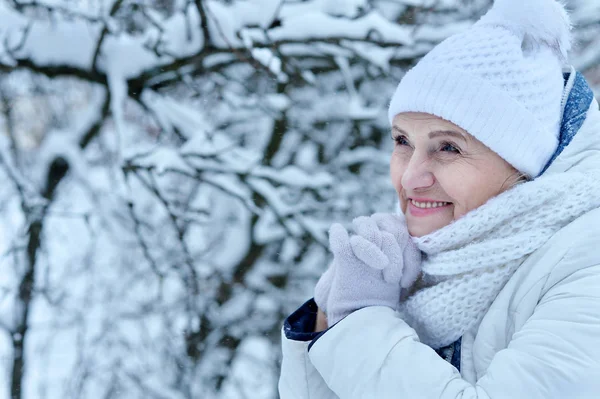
{"x": 469, "y": 261}
{"x": 501, "y": 81}
{"x": 369, "y": 268}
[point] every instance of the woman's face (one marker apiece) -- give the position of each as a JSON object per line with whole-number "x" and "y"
{"x": 441, "y": 172}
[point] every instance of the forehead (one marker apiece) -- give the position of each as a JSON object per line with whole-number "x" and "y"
{"x": 423, "y": 121}
{"x": 426, "y": 124}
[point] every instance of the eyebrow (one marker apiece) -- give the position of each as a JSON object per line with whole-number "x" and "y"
{"x": 435, "y": 133}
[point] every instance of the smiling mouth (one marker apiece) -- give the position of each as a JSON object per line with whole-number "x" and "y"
{"x": 428, "y": 204}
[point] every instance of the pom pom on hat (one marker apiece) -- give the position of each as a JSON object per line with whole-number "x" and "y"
{"x": 501, "y": 81}
{"x": 542, "y": 22}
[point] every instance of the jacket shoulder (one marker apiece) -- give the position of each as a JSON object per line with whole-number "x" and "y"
{"x": 576, "y": 247}
{"x": 566, "y": 267}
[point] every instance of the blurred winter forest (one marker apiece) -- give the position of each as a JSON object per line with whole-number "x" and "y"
{"x": 169, "y": 171}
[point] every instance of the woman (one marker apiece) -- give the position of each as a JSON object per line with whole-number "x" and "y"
{"x": 496, "y": 165}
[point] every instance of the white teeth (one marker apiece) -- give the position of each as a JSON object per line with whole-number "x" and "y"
{"x": 428, "y": 204}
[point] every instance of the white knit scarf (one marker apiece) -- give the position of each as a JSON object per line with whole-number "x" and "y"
{"x": 468, "y": 262}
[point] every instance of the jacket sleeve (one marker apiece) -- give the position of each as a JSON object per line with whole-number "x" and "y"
{"x": 299, "y": 379}
{"x": 555, "y": 354}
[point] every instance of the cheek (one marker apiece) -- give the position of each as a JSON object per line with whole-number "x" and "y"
{"x": 472, "y": 191}
{"x": 461, "y": 187}
{"x": 397, "y": 168}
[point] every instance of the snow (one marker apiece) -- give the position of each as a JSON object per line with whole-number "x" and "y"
{"x": 268, "y": 229}
{"x": 189, "y": 121}
{"x": 331, "y": 49}
{"x": 317, "y": 228}
{"x": 249, "y": 150}
{"x": 290, "y": 250}
{"x": 128, "y": 56}
{"x": 5, "y": 358}
{"x": 316, "y": 25}
{"x": 233, "y": 186}
{"x": 44, "y": 41}
{"x": 379, "y": 56}
{"x": 165, "y": 159}
{"x": 65, "y": 144}
{"x": 219, "y": 58}
{"x": 178, "y": 37}
{"x": 12, "y": 25}
{"x": 294, "y": 176}
{"x": 248, "y": 377}
{"x": 269, "y": 60}
{"x": 585, "y": 12}
{"x": 337, "y": 8}
{"x": 279, "y": 207}
{"x": 257, "y": 13}
{"x": 235, "y": 309}
{"x": 278, "y": 102}
{"x": 436, "y": 34}
{"x": 364, "y": 154}
{"x": 344, "y": 8}
{"x": 427, "y": 3}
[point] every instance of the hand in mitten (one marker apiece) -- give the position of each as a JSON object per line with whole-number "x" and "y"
{"x": 321, "y": 295}
{"x": 367, "y": 269}
{"x": 373, "y": 230}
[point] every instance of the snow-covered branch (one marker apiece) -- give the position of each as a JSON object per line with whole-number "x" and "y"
{"x": 173, "y": 168}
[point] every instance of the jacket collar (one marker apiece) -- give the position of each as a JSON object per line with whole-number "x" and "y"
{"x": 577, "y": 98}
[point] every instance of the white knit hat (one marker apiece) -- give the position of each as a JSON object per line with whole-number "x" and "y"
{"x": 501, "y": 81}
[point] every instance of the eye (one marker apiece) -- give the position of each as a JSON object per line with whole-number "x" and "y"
{"x": 449, "y": 147}
{"x": 401, "y": 140}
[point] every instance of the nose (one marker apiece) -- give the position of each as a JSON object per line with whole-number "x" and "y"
{"x": 418, "y": 174}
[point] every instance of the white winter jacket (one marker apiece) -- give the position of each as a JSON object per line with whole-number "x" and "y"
{"x": 539, "y": 339}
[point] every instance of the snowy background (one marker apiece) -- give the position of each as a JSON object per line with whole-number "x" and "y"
{"x": 170, "y": 168}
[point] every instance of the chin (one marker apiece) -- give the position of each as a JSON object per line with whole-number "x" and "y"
{"x": 418, "y": 231}
{"x": 421, "y": 228}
